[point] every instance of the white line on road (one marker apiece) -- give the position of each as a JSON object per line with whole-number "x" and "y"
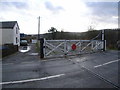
{"x": 106, "y": 63}
{"x": 31, "y": 80}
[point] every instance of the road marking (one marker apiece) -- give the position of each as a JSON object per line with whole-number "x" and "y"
{"x": 106, "y": 63}
{"x": 31, "y": 80}
{"x": 101, "y": 77}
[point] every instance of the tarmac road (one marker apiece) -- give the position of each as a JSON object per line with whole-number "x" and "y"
{"x": 26, "y": 70}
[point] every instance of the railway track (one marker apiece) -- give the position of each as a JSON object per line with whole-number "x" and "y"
{"x": 97, "y": 75}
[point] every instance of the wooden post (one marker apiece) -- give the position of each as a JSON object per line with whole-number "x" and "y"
{"x": 41, "y": 47}
{"x": 103, "y": 39}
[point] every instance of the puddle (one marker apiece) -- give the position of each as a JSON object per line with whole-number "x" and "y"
{"x": 24, "y": 49}
{"x": 33, "y": 54}
{"x": 80, "y": 59}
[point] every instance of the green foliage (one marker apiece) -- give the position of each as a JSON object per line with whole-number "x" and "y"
{"x": 53, "y": 32}
{"x": 111, "y": 36}
{"x": 37, "y": 46}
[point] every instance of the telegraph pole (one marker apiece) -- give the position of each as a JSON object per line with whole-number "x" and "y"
{"x": 38, "y": 27}
{"x": 39, "y": 32}
{"x": 40, "y": 40}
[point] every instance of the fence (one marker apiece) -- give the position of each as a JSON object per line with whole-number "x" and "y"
{"x": 57, "y": 48}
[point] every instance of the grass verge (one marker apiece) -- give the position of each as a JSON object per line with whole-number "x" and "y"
{"x": 38, "y": 46}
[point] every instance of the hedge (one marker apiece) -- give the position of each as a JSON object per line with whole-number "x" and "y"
{"x": 8, "y": 49}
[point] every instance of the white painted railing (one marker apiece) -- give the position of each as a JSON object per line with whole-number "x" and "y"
{"x": 54, "y": 48}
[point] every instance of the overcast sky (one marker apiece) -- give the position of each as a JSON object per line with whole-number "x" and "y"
{"x": 67, "y": 15}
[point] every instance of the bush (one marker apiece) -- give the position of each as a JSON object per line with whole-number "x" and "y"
{"x": 38, "y": 46}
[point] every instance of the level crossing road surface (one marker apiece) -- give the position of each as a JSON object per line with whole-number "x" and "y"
{"x": 26, "y": 70}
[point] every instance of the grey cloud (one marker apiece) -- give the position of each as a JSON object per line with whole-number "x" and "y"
{"x": 104, "y": 10}
{"x": 52, "y": 8}
{"x": 18, "y": 5}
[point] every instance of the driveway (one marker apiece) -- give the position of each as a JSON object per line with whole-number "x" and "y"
{"x": 25, "y": 54}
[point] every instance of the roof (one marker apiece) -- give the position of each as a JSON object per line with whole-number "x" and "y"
{"x": 8, "y": 24}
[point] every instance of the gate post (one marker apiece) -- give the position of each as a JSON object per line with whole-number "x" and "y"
{"x": 65, "y": 47}
{"x": 41, "y": 47}
{"x": 103, "y": 39}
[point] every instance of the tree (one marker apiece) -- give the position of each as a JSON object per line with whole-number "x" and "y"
{"x": 53, "y": 31}
{"x": 91, "y": 28}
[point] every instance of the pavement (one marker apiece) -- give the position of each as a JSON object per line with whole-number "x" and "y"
{"x": 27, "y": 70}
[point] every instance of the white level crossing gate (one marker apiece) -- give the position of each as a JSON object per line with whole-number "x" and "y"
{"x": 59, "y": 48}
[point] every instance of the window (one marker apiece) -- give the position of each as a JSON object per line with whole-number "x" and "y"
{"x": 16, "y": 40}
{"x": 25, "y": 41}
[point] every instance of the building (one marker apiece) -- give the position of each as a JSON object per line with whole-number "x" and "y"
{"x": 22, "y": 35}
{"x": 10, "y": 33}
